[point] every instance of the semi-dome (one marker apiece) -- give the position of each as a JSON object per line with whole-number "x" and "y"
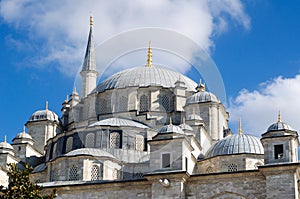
{"x": 202, "y": 96}
{"x": 170, "y": 129}
{"x": 120, "y": 122}
{"x": 146, "y": 76}
{"x": 236, "y": 144}
{"x": 91, "y": 152}
{"x": 278, "y": 126}
{"x": 44, "y": 115}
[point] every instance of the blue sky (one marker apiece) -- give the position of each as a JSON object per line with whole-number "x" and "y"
{"x": 255, "y": 45}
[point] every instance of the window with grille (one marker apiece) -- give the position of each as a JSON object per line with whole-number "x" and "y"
{"x": 95, "y": 173}
{"x": 90, "y": 140}
{"x": 123, "y": 104}
{"x": 115, "y": 140}
{"x": 138, "y": 175}
{"x": 55, "y": 175}
{"x": 232, "y": 167}
{"x": 144, "y": 103}
{"x": 139, "y": 142}
{"x": 165, "y": 102}
{"x": 115, "y": 174}
{"x": 209, "y": 170}
{"x": 54, "y": 150}
{"x": 73, "y": 173}
{"x": 69, "y": 144}
{"x": 166, "y": 160}
{"x": 102, "y": 106}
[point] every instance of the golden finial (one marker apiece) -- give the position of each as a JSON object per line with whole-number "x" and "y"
{"x": 240, "y": 127}
{"x": 149, "y": 60}
{"x": 183, "y": 120}
{"x": 201, "y": 87}
{"x": 193, "y": 111}
{"x": 91, "y": 21}
{"x": 5, "y": 138}
{"x": 24, "y": 130}
{"x": 46, "y": 105}
{"x": 279, "y": 118}
{"x": 171, "y": 120}
{"x": 74, "y": 89}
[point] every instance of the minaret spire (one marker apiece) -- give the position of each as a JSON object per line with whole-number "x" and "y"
{"x": 89, "y": 72}
{"x": 149, "y": 59}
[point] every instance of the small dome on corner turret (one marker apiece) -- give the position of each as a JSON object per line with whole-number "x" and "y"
{"x": 279, "y": 125}
{"x": 44, "y": 115}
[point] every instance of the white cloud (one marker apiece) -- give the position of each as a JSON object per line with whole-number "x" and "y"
{"x": 258, "y": 109}
{"x": 59, "y": 28}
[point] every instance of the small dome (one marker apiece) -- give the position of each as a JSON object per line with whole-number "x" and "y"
{"x": 44, "y": 115}
{"x": 194, "y": 117}
{"x": 5, "y": 145}
{"x": 278, "y": 126}
{"x": 186, "y": 127}
{"x": 23, "y": 135}
{"x": 202, "y": 96}
{"x": 170, "y": 129}
{"x": 236, "y": 144}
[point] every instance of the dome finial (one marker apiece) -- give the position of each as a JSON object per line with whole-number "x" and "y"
{"x": 201, "y": 87}
{"x": 240, "y": 127}
{"x": 171, "y": 120}
{"x": 149, "y": 60}
{"x": 183, "y": 120}
{"x": 279, "y": 118}
{"x": 5, "y": 138}
{"x": 91, "y": 21}
{"x": 47, "y": 105}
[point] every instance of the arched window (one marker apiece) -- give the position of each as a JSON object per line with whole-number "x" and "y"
{"x": 95, "y": 172}
{"x": 123, "y": 104}
{"x": 54, "y": 151}
{"x": 164, "y": 101}
{"x": 69, "y": 144}
{"x": 139, "y": 142}
{"x": 115, "y": 140}
{"x": 209, "y": 170}
{"x": 73, "y": 173}
{"x": 90, "y": 140}
{"x": 144, "y": 103}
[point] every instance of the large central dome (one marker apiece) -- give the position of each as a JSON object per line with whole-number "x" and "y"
{"x": 146, "y": 76}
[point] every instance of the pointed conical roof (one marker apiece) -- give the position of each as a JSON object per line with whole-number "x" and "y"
{"x": 89, "y": 63}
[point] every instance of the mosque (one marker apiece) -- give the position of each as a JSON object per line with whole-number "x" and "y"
{"x": 151, "y": 132}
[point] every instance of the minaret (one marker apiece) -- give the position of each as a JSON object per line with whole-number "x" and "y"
{"x": 89, "y": 72}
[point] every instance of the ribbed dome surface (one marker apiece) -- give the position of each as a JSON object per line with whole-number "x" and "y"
{"x": 202, "y": 96}
{"x": 119, "y": 122}
{"x": 170, "y": 129}
{"x": 44, "y": 115}
{"x": 236, "y": 144}
{"x": 194, "y": 117}
{"x": 279, "y": 126}
{"x": 146, "y": 76}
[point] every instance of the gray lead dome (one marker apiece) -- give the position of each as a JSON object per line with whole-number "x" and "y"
{"x": 236, "y": 144}
{"x": 202, "y": 96}
{"x": 146, "y": 76}
{"x": 278, "y": 126}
